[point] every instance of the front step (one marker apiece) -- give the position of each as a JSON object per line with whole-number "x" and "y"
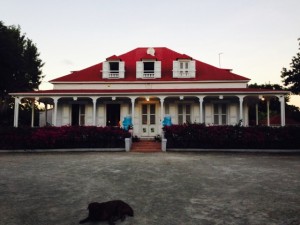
{"x": 146, "y": 146}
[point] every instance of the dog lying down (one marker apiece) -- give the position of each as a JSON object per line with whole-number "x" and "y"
{"x": 110, "y": 211}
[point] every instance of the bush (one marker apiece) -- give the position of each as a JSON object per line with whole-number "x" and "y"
{"x": 62, "y": 137}
{"x": 232, "y": 137}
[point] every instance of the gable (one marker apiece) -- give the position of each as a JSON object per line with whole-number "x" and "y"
{"x": 204, "y": 72}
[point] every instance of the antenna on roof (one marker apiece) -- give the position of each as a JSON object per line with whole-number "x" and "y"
{"x": 220, "y": 59}
{"x": 151, "y": 51}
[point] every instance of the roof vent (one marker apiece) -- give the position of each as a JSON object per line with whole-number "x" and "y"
{"x": 151, "y": 51}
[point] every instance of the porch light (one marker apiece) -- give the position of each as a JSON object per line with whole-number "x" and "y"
{"x": 221, "y": 97}
{"x": 147, "y": 99}
{"x": 181, "y": 97}
{"x": 75, "y": 98}
{"x": 113, "y": 98}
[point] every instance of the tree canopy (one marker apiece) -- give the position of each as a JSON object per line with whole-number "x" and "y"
{"x": 20, "y": 65}
{"x": 291, "y": 77}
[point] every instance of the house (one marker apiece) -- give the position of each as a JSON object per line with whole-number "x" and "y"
{"x": 146, "y": 86}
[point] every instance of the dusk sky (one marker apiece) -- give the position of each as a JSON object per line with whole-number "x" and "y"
{"x": 257, "y": 38}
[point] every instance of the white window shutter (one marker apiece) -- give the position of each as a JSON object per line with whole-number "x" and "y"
{"x": 121, "y": 69}
{"x": 139, "y": 69}
{"x": 105, "y": 69}
{"x": 157, "y": 69}
{"x": 175, "y": 69}
{"x": 192, "y": 68}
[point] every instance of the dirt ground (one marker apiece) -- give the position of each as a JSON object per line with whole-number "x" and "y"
{"x": 162, "y": 188}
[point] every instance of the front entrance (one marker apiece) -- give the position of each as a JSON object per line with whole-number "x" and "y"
{"x": 78, "y": 115}
{"x": 148, "y": 120}
{"x": 112, "y": 114}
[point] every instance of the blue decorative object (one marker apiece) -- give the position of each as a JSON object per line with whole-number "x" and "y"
{"x": 167, "y": 121}
{"x": 127, "y": 122}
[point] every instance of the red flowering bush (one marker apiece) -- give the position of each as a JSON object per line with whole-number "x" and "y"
{"x": 62, "y": 137}
{"x": 232, "y": 137}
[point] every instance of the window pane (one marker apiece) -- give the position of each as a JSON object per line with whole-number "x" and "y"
{"x": 152, "y": 119}
{"x": 148, "y": 66}
{"x": 181, "y": 65}
{"x": 180, "y": 119}
{"x": 144, "y": 109}
{"x": 144, "y": 119}
{"x": 188, "y": 109}
{"x": 223, "y": 119}
{"x": 216, "y": 119}
{"x": 188, "y": 118}
{"x": 114, "y": 66}
{"x": 186, "y": 65}
{"x": 152, "y": 109}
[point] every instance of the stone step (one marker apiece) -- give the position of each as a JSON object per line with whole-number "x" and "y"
{"x": 146, "y": 146}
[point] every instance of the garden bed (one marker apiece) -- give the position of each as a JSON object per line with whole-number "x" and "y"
{"x": 199, "y": 136}
{"x": 62, "y": 137}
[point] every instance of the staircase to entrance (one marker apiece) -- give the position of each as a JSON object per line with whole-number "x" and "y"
{"x": 146, "y": 146}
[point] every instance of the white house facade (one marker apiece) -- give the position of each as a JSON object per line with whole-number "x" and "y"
{"x": 147, "y": 85}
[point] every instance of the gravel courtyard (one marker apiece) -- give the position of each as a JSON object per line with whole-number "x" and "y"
{"x": 162, "y": 188}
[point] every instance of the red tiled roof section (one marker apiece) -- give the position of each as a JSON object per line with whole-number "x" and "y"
{"x": 204, "y": 72}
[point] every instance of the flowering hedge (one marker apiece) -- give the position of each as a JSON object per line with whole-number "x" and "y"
{"x": 62, "y": 137}
{"x": 232, "y": 137}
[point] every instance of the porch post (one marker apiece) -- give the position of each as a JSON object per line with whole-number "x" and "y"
{"x": 256, "y": 113}
{"x": 201, "y": 108}
{"x": 16, "y": 112}
{"x": 282, "y": 109}
{"x": 132, "y": 110}
{"x": 54, "y": 119}
{"x": 268, "y": 112}
{"x": 32, "y": 112}
{"x": 162, "y": 99}
{"x": 241, "y": 108}
{"x": 94, "y": 110}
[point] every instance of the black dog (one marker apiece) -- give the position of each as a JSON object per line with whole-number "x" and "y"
{"x": 110, "y": 211}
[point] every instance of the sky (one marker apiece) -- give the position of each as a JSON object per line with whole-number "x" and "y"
{"x": 255, "y": 38}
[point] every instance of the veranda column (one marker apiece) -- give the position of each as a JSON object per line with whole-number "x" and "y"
{"x": 132, "y": 110}
{"x": 256, "y": 113}
{"x": 268, "y": 112}
{"x": 32, "y": 112}
{"x": 241, "y": 108}
{"x": 162, "y": 99}
{"x": 282, "y": 110}
{"x": 94, "y": 110}
{"x": 16, "y": 112}
{"x": 55, "y": 105}
{"x": 201, "y": 108}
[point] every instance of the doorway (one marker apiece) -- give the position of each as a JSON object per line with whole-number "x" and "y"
{"x": 78, "y": 115}
{"x": 148, "y": 120}
{"x": 113, "y": 114}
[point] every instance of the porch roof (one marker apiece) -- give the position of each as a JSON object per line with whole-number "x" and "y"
{"x": 131, "y": 92}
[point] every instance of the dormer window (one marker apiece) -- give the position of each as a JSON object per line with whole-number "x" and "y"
{"x": 184, "y": 68}
{"x": 148, "y": 67}
{"x": 113, "y": 68}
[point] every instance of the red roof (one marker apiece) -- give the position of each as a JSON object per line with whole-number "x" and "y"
{"x": 204, "y": 72}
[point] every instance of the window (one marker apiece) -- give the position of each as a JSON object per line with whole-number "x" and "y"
{"x": 184, "y": 113}
{"x": 184, "y": 69}
{"x": 220, "y": 114}
{"x": 148, "y": 69}
{"x": 114, "y": 67}
{"x": 113, "y": 70}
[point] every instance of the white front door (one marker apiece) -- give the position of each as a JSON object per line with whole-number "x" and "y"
{"x": 148, "y": 120}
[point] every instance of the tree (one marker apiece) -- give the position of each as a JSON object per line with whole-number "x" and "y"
{"x": 20, "y": 66}
{"x": 291, "y": 77}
